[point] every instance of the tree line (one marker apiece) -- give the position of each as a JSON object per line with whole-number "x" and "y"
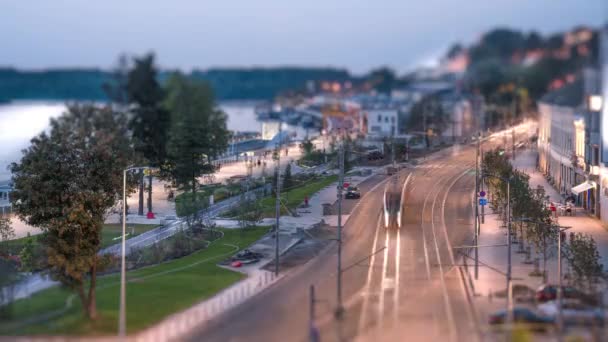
{"x": 534, "y": 223}
{"x": 71, "y": 175}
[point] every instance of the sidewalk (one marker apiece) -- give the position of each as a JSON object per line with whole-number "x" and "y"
{"x": 179, "y": 325}
{"x": 493, "y": 260}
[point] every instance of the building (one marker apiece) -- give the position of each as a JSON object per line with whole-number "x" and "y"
{"x": 568, "y": 141}
{"x": 5, "y": 190}
{"x": 381, "y": 121}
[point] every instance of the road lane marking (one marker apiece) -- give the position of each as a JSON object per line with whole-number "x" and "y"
{"x": 383, "y": 278}
{"x": 369, "y": 277}
{"x": 446, "y": 300}
{"x": 397, "y": 272}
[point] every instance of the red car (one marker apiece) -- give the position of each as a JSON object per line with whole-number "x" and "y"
{"x": 548, "y": 292}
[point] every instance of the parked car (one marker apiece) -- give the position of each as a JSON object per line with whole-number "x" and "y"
{"x": 522, "y": 316}
{"x": 574, "y": 312}
{"x": 548, "y": 292}
{"x": 352, "y": 193}
{"x": 247, "y": 256}
{"x": 375, "y": 155}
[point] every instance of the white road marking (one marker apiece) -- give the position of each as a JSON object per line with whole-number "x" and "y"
{"x": 446, "y": 300}
{"x": 383, "y": 279}
{"x": 369, "y": 277}
{"x": 397, "y": 272}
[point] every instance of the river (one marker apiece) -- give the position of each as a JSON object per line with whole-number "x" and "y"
{"x": 22, "y": 120}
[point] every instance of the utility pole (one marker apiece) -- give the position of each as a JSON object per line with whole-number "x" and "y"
{"x": 560, "y": 294}
{"x": 278, "y": 205}
{"x": 477, "y": 207}
{"x": 313, "y": 333}
{"x": 340, "y": 308}
{"x": 509, "y": 288}
{"x": 393, "y": 150}
{"x": 482, "y": 179}
{"x": 513, "y": 142}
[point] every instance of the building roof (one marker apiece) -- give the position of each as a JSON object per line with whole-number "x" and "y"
{"x": 570, "y": 95}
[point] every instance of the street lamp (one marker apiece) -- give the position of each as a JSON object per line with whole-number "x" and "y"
{"x": 122, "y": 320}
{"x": 560, "y": 230}
{"x": 509, "y": 288}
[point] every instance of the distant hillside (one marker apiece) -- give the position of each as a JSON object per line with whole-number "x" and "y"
{"x": 86, "y": 84}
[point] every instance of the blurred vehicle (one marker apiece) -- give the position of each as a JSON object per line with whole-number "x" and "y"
{"x": 352, "y": 193}
{"x": 247, "y": 256}
{"x": 574, "y": 312}
{"x": 168, "y": 219}
{"x": 375, "y": 155}
{"x": 548, "y": 292}
{"x": 522, "y": 316}
{"x": 391, "y": 170}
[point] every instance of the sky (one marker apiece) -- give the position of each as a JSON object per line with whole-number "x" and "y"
{"x": 186, "y": 34}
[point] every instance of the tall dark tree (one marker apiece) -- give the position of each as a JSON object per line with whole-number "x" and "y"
{"x": 382, "y": 79}
{"x": 149, "y": 121}
{"x": 65, "y": 183}
{"x": 198, "y": 131}
{"x": 116, "y": 87}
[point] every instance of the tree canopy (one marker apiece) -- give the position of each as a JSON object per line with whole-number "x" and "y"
{"x": 198, "y": 131}
{"x": 65, "y": 183}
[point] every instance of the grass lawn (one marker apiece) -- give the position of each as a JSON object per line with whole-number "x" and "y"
{"x": 152, "y": 293}
{"x": 294, "y": 197}
{"x": 111, "y": 232}
{"x": 108, "y": 234}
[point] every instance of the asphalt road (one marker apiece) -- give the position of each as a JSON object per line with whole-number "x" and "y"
{"x": 398, "y": 285}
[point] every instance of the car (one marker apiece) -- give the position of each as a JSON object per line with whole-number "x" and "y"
{"x": 548, "y": 292}
{"x": 352, "y": 193}
{"x": 522, "y": 316}
{"x": 375, "y": 155}
{"x": 574, "y": 312}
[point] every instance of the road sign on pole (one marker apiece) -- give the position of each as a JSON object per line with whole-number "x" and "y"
{"x": 483, "y": 201}
{"x": 482, "y": 193}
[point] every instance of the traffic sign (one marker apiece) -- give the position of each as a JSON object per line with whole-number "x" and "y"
{"x": 483, "y": 201}
{"x": 482, "y": 193}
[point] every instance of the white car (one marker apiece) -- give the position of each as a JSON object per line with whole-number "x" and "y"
{"x": 574, "y": 312}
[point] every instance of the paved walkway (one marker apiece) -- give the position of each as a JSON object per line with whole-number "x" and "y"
{"x": 493, "y": 260}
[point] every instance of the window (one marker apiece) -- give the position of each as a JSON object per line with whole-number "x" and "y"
{"x": 379, "y": 118}
{"x": 386, "y": 119}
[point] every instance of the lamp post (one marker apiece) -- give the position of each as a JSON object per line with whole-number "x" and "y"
{"x": 508, "y": 213}
{"x": 559, "y": 231}
{"x": 122, "y": 320}
{"x": 340, "y": 307}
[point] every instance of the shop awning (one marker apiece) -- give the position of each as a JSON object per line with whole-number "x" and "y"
{"x": 583, "y": 187}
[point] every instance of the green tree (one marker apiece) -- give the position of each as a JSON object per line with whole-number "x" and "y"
{"x": 382, "y": 79}
{"x": 65, "y": 183}
{"x": 307, "y": 147}
{"x": 6, "y": 230}
{"x": 250, "y": 211}
{"x": 198, "y": 131}
{"x": 149, "y": 121}
{"x": 26, "y": 256}
{"x": 287, "y": 178}
{"x": 584, "y": 261}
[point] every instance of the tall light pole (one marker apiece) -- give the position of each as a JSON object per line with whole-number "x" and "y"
{"x": 340, "y": 308}
{"x": 560, "y": 320}
{"x": 477, "y": 208}
{"x": 509, "y": 287}
{"x": 278, "y": 204}
{"x": 559, "y": 295}
{"x": 122, "y": 319}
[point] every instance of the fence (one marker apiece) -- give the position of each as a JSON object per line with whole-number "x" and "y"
{"x": 181, "y": 324}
